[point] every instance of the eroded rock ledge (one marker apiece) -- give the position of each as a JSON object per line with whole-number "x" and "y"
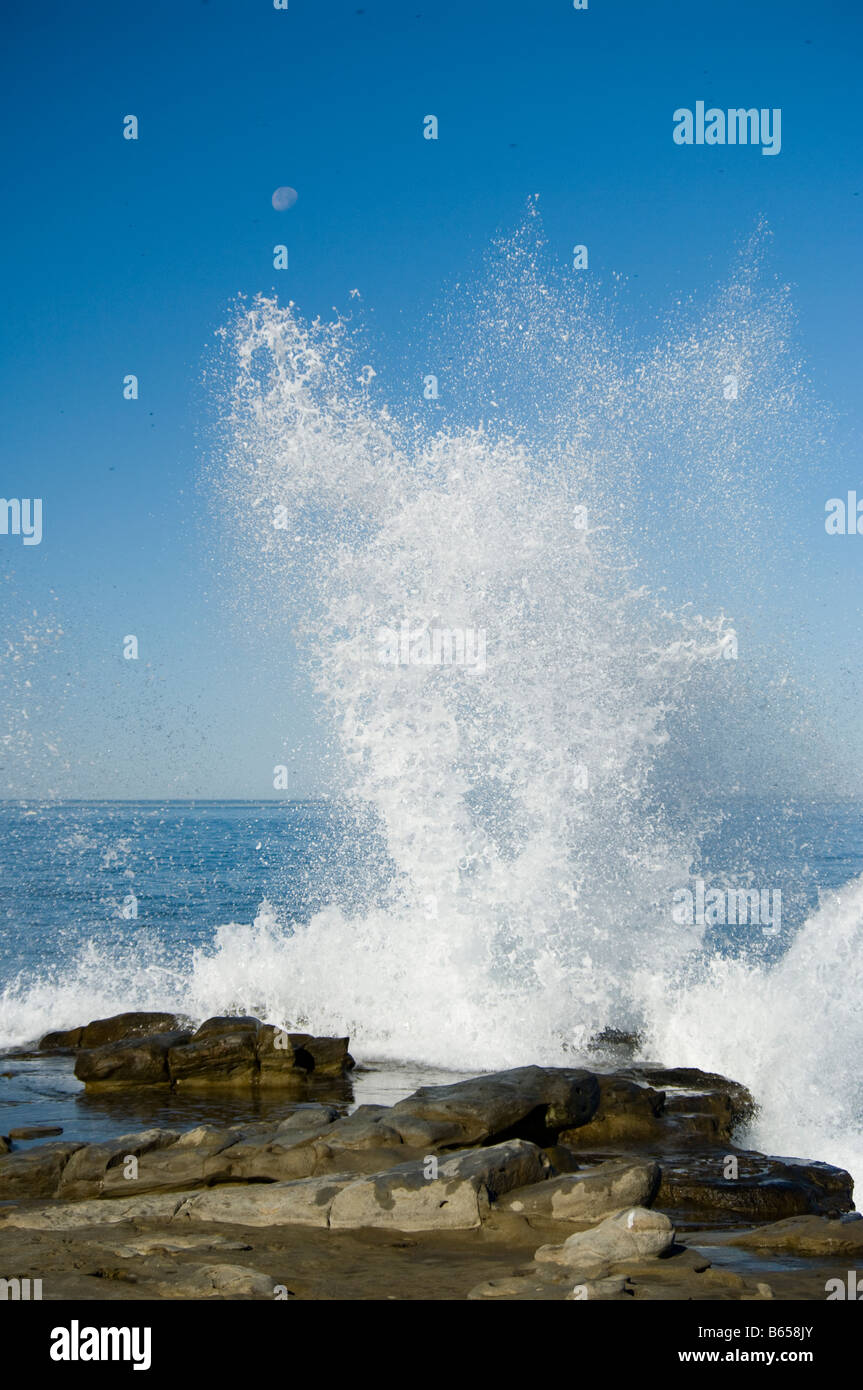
{"x": 146, "y": 1049}
{"x": 608, "y": 1166}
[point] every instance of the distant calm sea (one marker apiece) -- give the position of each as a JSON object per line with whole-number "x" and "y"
{"x": 68, "y": 872}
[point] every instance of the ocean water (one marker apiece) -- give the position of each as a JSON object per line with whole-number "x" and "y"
{"x": 119, "y": 897}
{"x": 223, "y": 889}
{"x": 548, "y": 618}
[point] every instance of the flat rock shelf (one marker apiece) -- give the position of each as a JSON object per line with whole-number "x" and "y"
{"x": 614, "y": 1181}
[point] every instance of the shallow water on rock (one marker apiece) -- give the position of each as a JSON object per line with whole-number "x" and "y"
{"x": 44, "y": 1091}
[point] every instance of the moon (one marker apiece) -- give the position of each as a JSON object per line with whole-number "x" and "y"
{"x": 284, "y": 198}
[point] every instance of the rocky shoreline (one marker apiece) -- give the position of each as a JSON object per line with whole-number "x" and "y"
{"x": 611, "y": 1182}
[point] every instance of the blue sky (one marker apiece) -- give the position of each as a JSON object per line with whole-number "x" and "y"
{"x": 124, "y": 256}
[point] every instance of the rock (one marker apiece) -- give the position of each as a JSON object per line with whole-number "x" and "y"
{"x": 600, "y": 1288}
{"x": 216, "y": 1027}
{"x": 132, "y": 1025}
{"x": 709, "y": 1114}
{"x": 213, "y": 1154}
{"x": 229, "y": 1134}
{"x": 680, "y": 1274}
{"x": 428, "y": 1135}
{"x": 173, "y": 1244}
{"x": 34, "y": 1172}
{"x": 663, "y": 1110}
{"x": 132, "y": 1062}
{"x": 207, "y": 1136}
{"x": 85, "y": 1173}
{"x": 35, "y": 1131}
{"x": 807, "y": 1235}
{"x": 628, "y": 1113}
{"x": 361, "y": 1142}
{"x": 511, "y": 1287}
{"x": 588, "y": 1195}
{"x": 367, "y": 1128}
{"x": 329, "y": 1056}
{"x": 167, "y": 1170}
{"x": 407, "y": 1199}
{"x": 216, "y": 1057}
{"x": 4, "y": 1145}
{"x": 280, "y": 1059}
{"x": 62, "y": 1216}
{"x": 130, "y": 1050}
{"x": 629, "y": 1235}
{"x": 691, "y": 1081}
{"x": 250, "y": 1161}
{"x": 307, "y": 1117}
{"x": 288, "y": 1057}
{"x": 183, "y": 1166}
{"x": 261, "y": 1130}
{"x": 226, "y": 1051}
{"x": 765, "y": 1189}
{"x": 313, "y": 1145}
{"x": 305, "y": 1203}
{"x": 402, "y": 1198}
{"x": 563, "y": 1160}
{"x": 217, "y": 1281}
{"x": 610, "y": 1038}
{"x": 541, "y": 1286}
{"x": 533, "y": 1103}
{"x": 61, "y": 1042}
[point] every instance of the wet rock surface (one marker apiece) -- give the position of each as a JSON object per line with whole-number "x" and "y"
{"x": 528, "y": 1102}
{"x": 108, "y": 1030}
{"x": 534, "y": 1184}
{"x": 141, "y": 1049}
{"x": 807, "y": 1235}
{"x": 130, "y": 1062}
{"x": 762, "y": 1188}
